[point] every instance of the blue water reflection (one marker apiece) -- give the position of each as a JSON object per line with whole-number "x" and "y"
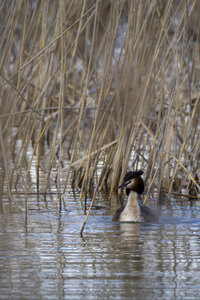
{"x": 47, "y": 258}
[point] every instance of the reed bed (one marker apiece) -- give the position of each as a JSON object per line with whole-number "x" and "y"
{"x": 90, "y": 89}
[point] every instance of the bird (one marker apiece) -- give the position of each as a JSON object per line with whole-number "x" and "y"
{"x": 133, "y": 211}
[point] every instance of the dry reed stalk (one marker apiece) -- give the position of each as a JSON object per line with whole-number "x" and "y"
{"x": 5, "y": 162}
{"x": 112, "y": 83}
{"x": 49, "y": 45}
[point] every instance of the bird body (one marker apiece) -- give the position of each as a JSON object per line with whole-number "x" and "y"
{"x": 133, "y": 211}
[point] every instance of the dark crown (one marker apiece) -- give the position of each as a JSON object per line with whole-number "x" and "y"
{"x": 130, "y": 175}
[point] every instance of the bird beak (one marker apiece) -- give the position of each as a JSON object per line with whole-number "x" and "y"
{"x": 123, "y": 185}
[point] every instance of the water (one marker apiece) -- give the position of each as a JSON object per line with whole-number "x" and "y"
{"x": 47, "y": 258}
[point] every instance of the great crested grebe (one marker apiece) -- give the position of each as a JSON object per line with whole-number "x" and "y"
{"x": 133, "y": 211}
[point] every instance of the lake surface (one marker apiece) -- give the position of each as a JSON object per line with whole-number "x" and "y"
{"x": 47, "y": 259}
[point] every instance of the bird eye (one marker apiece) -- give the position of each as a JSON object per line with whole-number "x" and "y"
{"x": 128, "y": 182}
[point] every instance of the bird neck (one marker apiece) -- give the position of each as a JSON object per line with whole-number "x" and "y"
{"x": 131, "y": 212}
{"x": 132, "y": 198}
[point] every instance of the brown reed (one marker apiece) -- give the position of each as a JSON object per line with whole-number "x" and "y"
{"x": 98, "y": 87}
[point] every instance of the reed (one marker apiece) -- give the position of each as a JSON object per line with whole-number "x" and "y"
{"x": 98, "y": 87}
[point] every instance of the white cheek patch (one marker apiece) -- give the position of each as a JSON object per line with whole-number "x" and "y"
{"x": 130, "y": 183}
